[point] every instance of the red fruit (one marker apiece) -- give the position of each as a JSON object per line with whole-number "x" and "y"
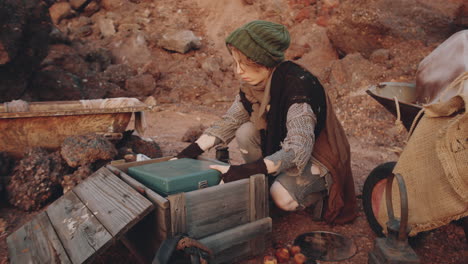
{"x": 299, "y": 258}
{"x": 294, "y": 250}
{"x": 269, "y": 260}
{"x": 282, "y": 254}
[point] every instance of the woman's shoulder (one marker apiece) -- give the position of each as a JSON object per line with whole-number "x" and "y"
{"x": 294, "y": 70}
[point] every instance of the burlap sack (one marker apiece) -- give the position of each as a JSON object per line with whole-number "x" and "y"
{"x": 434, "y": 164}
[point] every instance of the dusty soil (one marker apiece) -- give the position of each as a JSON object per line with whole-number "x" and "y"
{"x": 167, "y": 126}
{"x": 195, "y": 89}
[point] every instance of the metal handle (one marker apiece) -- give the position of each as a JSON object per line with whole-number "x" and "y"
{"x": 402, "y": 236}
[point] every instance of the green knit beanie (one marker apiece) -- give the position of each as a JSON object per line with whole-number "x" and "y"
{"x": 263, "y": 42}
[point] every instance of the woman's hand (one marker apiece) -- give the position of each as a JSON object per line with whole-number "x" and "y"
{"x": 221, "y": 168}
{"x": 238, "y": 172}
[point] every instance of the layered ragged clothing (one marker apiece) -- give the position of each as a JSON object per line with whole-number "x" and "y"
{"x": 300, "y": 126}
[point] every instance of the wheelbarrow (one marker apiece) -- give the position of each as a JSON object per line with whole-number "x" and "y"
{"x": 398, "y": 98}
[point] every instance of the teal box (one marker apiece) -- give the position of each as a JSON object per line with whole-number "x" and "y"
{"x": 176, "y": 176}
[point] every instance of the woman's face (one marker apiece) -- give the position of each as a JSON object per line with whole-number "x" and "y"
{"x": 249, "y": 71}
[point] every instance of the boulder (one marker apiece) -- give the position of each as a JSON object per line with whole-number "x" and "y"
{"x": 36, "y": 179}
{"x": 86, "y": 149}
{"x": 140, "y": 85}
{"x": 132, "y": 50}
{"x": 180, "y": 41}
{"x": 59, "y": 11}
{"x": 118, "y": 74}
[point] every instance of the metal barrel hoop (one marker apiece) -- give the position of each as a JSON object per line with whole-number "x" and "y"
{"x": 402, "y": 235}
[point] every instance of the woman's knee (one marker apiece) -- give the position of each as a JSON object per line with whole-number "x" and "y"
{"x": 247, "y": 136}
{"x": 282, "y": 198}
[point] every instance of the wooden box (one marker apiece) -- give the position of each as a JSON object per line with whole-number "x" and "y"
{"x": 231, "y": 219}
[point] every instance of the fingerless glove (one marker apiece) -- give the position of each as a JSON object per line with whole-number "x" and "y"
{"x": 238, "y": 172}
{"x": 192, "y": 152}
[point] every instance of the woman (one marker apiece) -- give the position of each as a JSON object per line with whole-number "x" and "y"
{"x": 285, "y": 127}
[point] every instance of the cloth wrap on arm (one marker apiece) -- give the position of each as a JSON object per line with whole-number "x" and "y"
{"x": 237, "y": 172}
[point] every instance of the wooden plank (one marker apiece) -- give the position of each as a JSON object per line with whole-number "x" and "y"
{"x": 116, "y": 205}
{"x": 81, "y": 233}
{"x": 239, "y": 234}
{"x": 148, "y": 193}
{"x": 36, "y": 242}
{"x": 178, "y": 214}
{"x": 217, "y": 208}
{"x": 258, "y": 208}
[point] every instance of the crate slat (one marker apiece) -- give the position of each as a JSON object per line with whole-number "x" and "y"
{"x": 217, "y": 208}
{"x": 223, "y": 240}
{"x": 81, "y": 233}
{"x": 116, "y": 205}
{"x": 178, "y": 214}
{"x": 36, "y": 242}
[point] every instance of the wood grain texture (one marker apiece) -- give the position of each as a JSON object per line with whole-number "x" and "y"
{"x": 217, "y": 208}
{"x": 239, "y": 234}
{"x": 117, "y": 205}
{"x": 258, "y": 208}
{"x": 81, "y": 233}
{"x": 178, "y": 214}
{"x": 36, "y": 242}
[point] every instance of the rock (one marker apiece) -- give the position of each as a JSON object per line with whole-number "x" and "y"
{"x": 96, "y": 87}
{"x": 133, "y": 28}
{"x": 59, "y": 11}
{"x": 318, "y": 51}
{"x": 91, "y": 9}
{"x": 24, "y": 38}
{"x": 296, "y": 51}
{"x": 179, "y": 41}
{"x": 71, "y": 180}
{"x": 380, "y": 56}
{"x": 193, "y": 133}
{"x": 118, "y": 74}
{"x": 59, "y": 37}
{"x": 133, "y": 144}
{"x": 70, "y": 62}
{"x": 111, "y": 4}
{"x": 86, "y": 149}
{"x": 36, "y": 179}
{"x": 99, "y": 59}
{"x": 363, "y": 26}
{"x": 140, "y": 85}
{"x": 305, "y": 13}
{"x": 133, "y": 50}
{"x": 211, "y": 64}
{"x": 106, "y": 27}
{"x": 248, "y": 2}
{"x": 82, "y": 32}
{"x": 4, "y": 57}
{"x": 54, "y": 84}
{"x": 76, "y": 4}
{"x": 3, "y": 225}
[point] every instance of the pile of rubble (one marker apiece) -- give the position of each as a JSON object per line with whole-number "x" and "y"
{"x": 43, "y": 176}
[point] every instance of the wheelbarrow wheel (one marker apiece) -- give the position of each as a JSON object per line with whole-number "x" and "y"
{"x": 372, "y": 194}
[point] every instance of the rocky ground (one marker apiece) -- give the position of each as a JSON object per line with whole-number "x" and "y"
{"x": 174, "y": 50}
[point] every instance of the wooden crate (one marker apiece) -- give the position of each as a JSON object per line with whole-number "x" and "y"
{"x": 232, "y": 218}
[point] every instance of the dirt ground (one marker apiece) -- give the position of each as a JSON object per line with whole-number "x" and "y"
{"x": 168, "y": 124}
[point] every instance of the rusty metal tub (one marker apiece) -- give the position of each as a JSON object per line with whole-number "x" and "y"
{"x": 394, "y": 95}
{"x": 47, "y": 124}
